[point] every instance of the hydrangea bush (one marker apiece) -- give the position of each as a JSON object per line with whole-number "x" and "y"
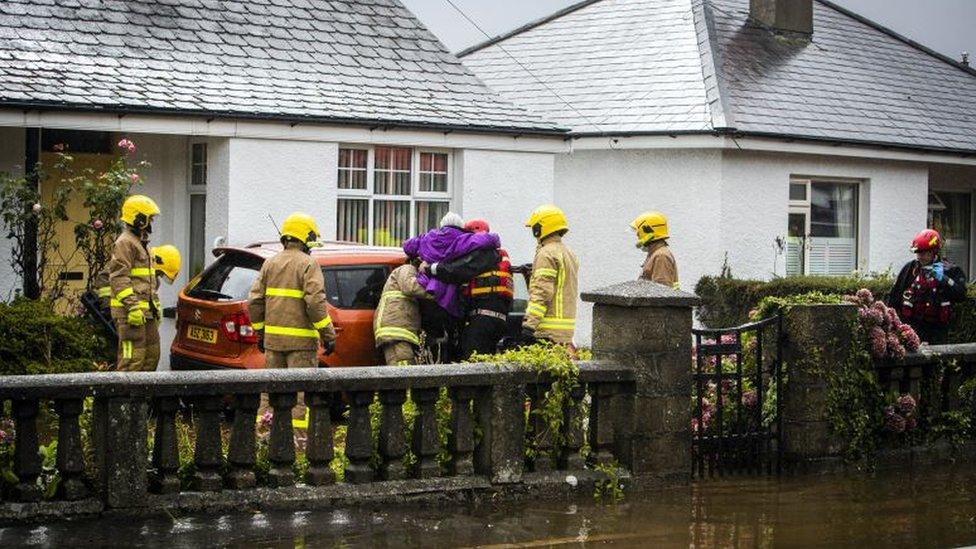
{"x": 888, "y": 336}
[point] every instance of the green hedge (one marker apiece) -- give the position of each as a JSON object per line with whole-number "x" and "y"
{"x": 34, "y": 339}
{"x": 727, "y": 301}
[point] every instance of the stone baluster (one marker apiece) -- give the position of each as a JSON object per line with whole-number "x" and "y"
{"x": 165, "y": 452}
{"x": 208, "y": 452}
{"x": 602, "y": 422}
{"x": 281, "y": 454}
{"x": 319, "y": 448}
{"x": 542, "y": 435}
{"x": 71, "y": 459}
{"x": 500, "y": 411}
{"x": 27, "y": 461}
{"x": 461, "y": 440}
{"x": 570, "y": 457}
{"x": 242, "y": 452}
{"x": 393, "y": 442}
{"x": 359, "y": 438}
{"x": 121, "y": 438}
{"x": 426, "y": 443}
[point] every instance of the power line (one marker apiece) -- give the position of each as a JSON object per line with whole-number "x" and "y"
{"x": 519, "y": 63}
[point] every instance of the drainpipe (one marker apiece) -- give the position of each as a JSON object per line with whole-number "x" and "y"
{"x": 32, "y": 156}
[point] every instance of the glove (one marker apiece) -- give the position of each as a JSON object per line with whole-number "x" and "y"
{"x": 329, "y": 347}
{"x": 938, "y": 270}
{"x": 136, "y": 317}
{"x": 260, "y": 334}
{"x": 527, "y": 337}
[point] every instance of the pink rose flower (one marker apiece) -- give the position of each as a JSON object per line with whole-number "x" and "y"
{"x": 127, "y": 146}
{"x": 97, "y": 224}
{"x": 134, "y": 177}
{"x": 58, "y": 147}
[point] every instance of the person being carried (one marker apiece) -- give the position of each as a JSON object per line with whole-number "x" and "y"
{"x": 396, "y": 324}
{"x": 441, "y": 315}
{"x": 652, "y": 237}
{"x": 487, "y": 291}
{"x": 926, "y": 288}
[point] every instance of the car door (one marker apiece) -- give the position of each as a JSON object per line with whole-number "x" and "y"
{"x": 353, "y": 293}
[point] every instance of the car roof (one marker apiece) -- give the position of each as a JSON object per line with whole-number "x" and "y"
{"x": 329, "y": 250}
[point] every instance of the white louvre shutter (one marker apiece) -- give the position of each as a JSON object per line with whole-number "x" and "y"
{"x": 832, "y": 256}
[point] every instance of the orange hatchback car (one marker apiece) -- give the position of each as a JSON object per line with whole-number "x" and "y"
{"x": 213, "y": 327}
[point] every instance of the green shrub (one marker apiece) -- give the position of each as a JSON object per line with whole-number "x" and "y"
{"x": 34, "y": 339}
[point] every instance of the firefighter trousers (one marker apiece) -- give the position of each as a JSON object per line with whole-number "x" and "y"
{"x": 399, "y": 353}
{"x": 289, "y": 359}
{"x": 481, "y": 334}
{"x": 138, "y": 346}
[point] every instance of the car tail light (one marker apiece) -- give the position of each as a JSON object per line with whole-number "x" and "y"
{"x": 237, "y": 327}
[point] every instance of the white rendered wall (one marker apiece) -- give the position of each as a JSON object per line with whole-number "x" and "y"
{"x": 504, "y": 188}
{"x": 258, "y": 177}
{"x": 12, "y": 143}
{"x": 602, "y": 191}
{"x": 755, "y": 204}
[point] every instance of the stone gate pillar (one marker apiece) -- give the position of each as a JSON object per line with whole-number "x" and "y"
{"x": 648, "y": 326}
{"x": 817, "y": 338}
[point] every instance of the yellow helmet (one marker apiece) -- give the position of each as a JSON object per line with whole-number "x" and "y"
{"x": 546, "y": 220}
{"x": 650, "y": 226}
{"x": 138, "y": 210}
{"x": 166, "y": 259}
{"x": 301, "y": 227}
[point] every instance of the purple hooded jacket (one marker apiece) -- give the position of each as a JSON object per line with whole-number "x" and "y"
{"x": 446, "y": 244}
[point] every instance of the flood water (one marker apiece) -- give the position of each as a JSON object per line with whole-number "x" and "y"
{"x": 934, "y": 508}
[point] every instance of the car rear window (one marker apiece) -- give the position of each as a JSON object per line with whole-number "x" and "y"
{"x": 229, "y": 279}
{"x": 356, "y": 287}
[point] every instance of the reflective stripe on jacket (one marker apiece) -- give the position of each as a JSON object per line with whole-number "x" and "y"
{"x": 498, "y": 281}
{"x": 131, "y": 277}
{"x": 397, "y": 317}
{"x": 288, "y": 302}
{"x": 551, "y": 310}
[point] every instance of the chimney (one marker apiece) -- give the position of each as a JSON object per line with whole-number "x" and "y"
{"x": 965, "y": 58}
{"x": 786, "y": 16}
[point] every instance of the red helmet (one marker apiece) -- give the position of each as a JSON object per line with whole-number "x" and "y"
{"x": 477, "y": 226}
{"x": 929, "y": 239}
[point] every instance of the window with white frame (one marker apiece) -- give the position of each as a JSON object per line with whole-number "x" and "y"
{"x": 822, "y": 227}
{"x": 388, "y": 194}
{"x": 198, "y": 207}
{"x": 950, "y": 213}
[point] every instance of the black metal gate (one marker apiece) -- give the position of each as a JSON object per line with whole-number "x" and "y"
{"x": 736, "y": 399}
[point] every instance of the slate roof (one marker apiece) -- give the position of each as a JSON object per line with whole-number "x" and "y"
{"x": 353, "y": 61}
{"x": 630, "y": 66}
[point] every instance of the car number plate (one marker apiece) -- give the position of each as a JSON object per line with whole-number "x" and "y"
{"x": 199, "y": 333}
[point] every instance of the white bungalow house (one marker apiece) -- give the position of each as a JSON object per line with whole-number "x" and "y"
{"x": 790, "y": 136}
{"x": 349, "y": 110}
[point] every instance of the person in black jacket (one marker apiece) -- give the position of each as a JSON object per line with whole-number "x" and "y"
{"x": 926, "y": 288}
{"x": 487, "y": 289}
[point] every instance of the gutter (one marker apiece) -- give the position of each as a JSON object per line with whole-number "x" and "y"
{"x": 293, "y": 120}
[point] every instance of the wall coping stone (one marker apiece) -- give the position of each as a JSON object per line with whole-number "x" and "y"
{"x": 641, "y": 293}
{"x": 928, "y": 354}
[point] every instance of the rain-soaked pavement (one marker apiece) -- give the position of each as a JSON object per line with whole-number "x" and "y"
{"x": 934, "y": 508}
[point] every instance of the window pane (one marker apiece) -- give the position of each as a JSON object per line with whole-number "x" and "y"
{"x": 429, "y": 215}
{"x": 798, "y": 191}
{"x": 198, "y": 242}
{"x": 433, "y": 172}
{"x": 198, "y": 175}
{"x": 391, "y": 222}
{"x": 833, "y": 210}
{"x": 796, "y": 244}
{"x": 352, "y": 168}
{"x": 356, "y": 287}
{"x": 952, "y": 217}
{"x": 392, "y": 171}
{"x": 352, "y": 220}
{"x": 833, "y": 229}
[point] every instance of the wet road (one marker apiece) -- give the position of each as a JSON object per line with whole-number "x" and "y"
{"x": 936, "y": 508}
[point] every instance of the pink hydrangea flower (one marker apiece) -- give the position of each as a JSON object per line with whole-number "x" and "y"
{"x": 865, "y": 296}
{"x": 750, "y": 398}
{"x": 127, "y": 146}
{"x": 266, "y": 418}
{"x": 3, "y": 436}
{"x": 879, "y": 342}
{"x": 895, "y": 423}
{"x": 906, "y": 404}
{"x": 910, "y": 424}
{"x": 909, "y": 338}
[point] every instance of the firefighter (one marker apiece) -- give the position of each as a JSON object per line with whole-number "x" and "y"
{"x": 486, "y": 274}
{"x": 652, "y": 237}
{"x": 396, "y": 324}
{"x": 926, "y": 288}
{"x": 287, "y": 305}
{"x": 551, "y": 311}
{"x": 135, "y": 308}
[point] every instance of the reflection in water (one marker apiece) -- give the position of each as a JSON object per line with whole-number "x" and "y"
{"x": 932, "y": 508}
